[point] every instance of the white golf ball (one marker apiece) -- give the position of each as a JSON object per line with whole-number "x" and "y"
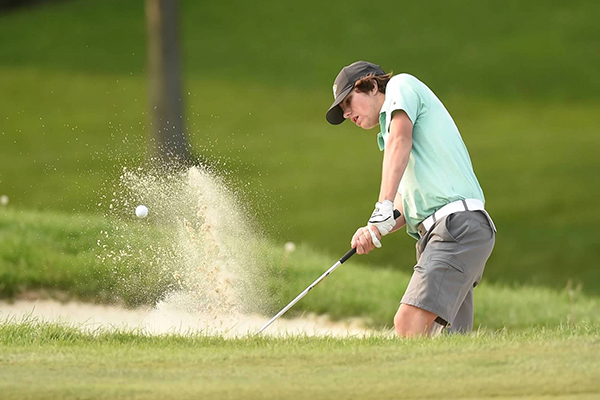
{"x": 3, "y": 200}
{"x": 289, "y": 247}
{"x": 141, "y": 211}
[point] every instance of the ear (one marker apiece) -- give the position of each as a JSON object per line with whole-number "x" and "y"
{"x": 375, "y": 89}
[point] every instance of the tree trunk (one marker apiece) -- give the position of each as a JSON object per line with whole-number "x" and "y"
{"x": 164, "y": 83}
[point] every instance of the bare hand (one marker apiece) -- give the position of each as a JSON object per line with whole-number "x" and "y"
{"x": 362, "y": 239}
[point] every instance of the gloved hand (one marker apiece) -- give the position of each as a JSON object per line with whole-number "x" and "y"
{"x": 383, "y": 217}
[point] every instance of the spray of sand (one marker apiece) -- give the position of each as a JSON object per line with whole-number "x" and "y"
{"x": 205, "y": 266}
{"x": 207, "y": 249}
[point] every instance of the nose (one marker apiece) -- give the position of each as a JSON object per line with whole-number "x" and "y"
{"x": 346, "y": 113}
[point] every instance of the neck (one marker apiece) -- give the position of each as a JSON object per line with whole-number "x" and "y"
{"x": 380, "y": 99}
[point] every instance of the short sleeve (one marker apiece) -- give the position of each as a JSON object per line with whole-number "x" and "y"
{"x": 401, "y": 94}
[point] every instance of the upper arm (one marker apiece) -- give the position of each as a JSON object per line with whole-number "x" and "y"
{"x": 401, "y": 125}
{"x": 405, "y": 104}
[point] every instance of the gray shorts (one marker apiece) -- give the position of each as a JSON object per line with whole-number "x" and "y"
{"x": 451, "y": 257}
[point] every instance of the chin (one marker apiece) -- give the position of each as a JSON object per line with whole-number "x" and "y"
{"x": 368, "y": 127}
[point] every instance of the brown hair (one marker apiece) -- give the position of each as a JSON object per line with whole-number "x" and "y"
{"x": 367, "y": 83}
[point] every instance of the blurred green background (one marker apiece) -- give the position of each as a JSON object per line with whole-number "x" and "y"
{"x": 520, "y": 79}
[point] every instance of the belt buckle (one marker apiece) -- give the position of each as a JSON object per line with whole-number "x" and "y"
{"x": 421, "y": 230}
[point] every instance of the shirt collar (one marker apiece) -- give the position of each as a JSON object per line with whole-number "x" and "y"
{"x": 382, "y": 135}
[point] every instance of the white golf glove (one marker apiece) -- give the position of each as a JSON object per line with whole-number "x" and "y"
{"x": 383, "y": 217}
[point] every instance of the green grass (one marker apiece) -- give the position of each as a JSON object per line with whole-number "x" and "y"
{"x": 479, "y": 49}
{"x": 57, "y": 252}
{"x": 53, "y": 253}
{"x": 55, "y": 361}
{"x": 519, "y": 81}
{"x": 540, "y": 237}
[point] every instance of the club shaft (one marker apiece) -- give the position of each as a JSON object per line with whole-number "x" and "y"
{"x": 342, "y": 260}
{"x": 301, "y": 295}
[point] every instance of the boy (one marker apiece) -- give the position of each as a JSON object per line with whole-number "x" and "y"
{"x": 428, "y": 176}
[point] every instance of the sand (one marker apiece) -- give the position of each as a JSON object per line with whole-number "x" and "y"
{"x": 163, "y": 320}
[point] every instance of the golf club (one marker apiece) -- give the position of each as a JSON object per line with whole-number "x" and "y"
{"x": 342, "y": 260}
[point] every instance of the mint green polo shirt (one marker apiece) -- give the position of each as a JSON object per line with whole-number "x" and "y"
{"x": 439, "y": 169}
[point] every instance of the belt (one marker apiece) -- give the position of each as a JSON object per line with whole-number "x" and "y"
{"x": 450, "y": 208}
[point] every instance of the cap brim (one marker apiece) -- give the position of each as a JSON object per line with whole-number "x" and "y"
{"x": 335, "y": 114}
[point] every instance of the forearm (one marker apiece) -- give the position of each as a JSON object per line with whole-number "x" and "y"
{"x": 400, "y": 222}
{"x": 395, "y": 160}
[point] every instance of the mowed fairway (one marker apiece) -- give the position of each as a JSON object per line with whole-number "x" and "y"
{"x": 49, "y": 361}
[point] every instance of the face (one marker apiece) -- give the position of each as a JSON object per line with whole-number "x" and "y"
{"x": 363, "y": 108}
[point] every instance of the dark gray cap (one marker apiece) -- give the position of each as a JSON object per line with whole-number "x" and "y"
{"x": 343, "y": 85}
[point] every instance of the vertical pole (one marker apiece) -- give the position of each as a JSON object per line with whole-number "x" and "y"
{"x": 164, "y": 82}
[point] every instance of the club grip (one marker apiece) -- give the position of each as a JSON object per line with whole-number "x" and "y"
{"x": 352, "y": 251}
{"x": 349, "y": 254}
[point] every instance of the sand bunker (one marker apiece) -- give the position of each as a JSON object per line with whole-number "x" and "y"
{"x": 206, "y": 263}
{"x": 163, "y": 319}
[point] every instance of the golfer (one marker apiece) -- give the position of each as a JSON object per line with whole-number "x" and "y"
{"x": 427, "y": 175}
